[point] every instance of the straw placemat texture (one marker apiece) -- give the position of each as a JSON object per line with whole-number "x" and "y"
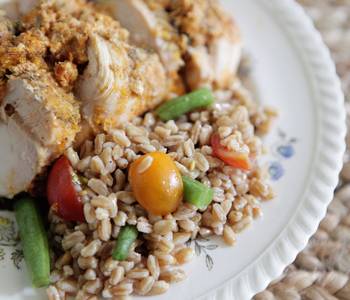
{"x": 322, "y": 270}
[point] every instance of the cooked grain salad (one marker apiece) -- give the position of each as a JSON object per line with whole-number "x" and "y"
{"x": 120, "y": 179}
{"x": 139, "y": 135}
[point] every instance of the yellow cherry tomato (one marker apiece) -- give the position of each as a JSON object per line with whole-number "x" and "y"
{"x": 156, "y": 183}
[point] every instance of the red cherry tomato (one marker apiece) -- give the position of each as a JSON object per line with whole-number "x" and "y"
{"x": 61, "y": 192}
{"x": 234, "y": 159}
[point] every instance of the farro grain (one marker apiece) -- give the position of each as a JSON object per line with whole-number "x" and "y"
{"x": 188, "y": 148}
{"x": 229, "y": 235}
{"x": 165, "y": 245}
{"x": 104, "y": 230}
{"x": 127, "y": 265}
{"x": 96, "y": 165}
{"x": 149, "y": 120}
{"x": 87, "y": 262}
{"x": 173, "y": 140}
{"x": 120, "y": 138}
{"x": 72, "y": 156}
{"x": 99, "y": 141}
{"x": 124, "y": 288}
{"x": 241, "y": 225}
{"x": 84, "y": 164}
{"x": 135, "y": 257}
{"x": 101, "y": 214}
{"x": 67, "y": 271}
{"x": 120, "y": 179}
{"x": 184, "y": 212}
{"x": 205, "y": 134}
{"x": 91, "y": 248}
{"x": 172, "y": 126}
{"x": 205, "y": 232}
{"x": 173, "y": 276}
{"x": 108, "y": 266}
{"x": 117, "y": 152}
{"x": 159, "y": 287}
{"x": 143, "y": 225}
{"x": 153, "y": 266}
{"x": 63, "y": 260}
{"x": 218, "y": 213}
{"x": 187, "y": 225}
{"x": 201, "y": 162}
{"x": 67, "y": 285}
{"x": 55, "y": 276}
{"x": 158, "y": 146}
{"x": 137, "y": 273}
{"x": 134, "y": 131}
{"x": 98, "y": 186}
{"x": 148, "y": 148}
{"x": 144, "y": 286}
{"x": 117, "y": 275}
{"x": 89, "y": 213}
{"x": 163, "y": 227}
{"x": 164, "y": 259}
{"x": 181, "y": 238}
{"x": 235, "y": 216}
{"x": 75, "y": 251}
{"x": 90, "y": 274}
{"x": 130, "y": 155}
{"x": 107, "y": 293}
{"x": 93, "y": 286}
{"x": 239, "y": 203}
{"x": 52, "y": 293}
{"x": 120, "y": 219}
{"x": 71, "y": 239}
{"x": 195, "y": 132}
{"x": 126, "y": 197}
{"x": 184, "y": 255}
{"x": 226, "y": 206}
{"x": 122, "y": 163}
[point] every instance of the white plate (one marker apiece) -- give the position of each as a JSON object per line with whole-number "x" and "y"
{"x": 293, "y": 72}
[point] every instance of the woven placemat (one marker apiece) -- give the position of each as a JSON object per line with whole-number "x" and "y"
{"x": 322, "y": 270}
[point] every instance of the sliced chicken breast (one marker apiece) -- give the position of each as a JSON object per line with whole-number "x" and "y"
{"x": 21, "y": 159}
{"x": 38, "y": 122}
{"x": 35, "y": 100}
{"x": 149, "y": 27}
{"x": 119, "y": 83}
{"x": 196, "y": 31}
{"x": 208, "y": 26}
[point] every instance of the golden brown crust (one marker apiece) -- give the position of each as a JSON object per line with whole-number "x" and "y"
{"x": 202, "y": 21}
{"x": 66, "y": 73}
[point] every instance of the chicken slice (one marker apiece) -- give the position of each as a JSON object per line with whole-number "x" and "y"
{"x": 38, "y": 122}
{"x": 21, "y": 159}
{"x": 215, "y": 42}
{"x": 119, "y": 83}
{"x": 198, "y": 32}
{"x": 150, "y": 27}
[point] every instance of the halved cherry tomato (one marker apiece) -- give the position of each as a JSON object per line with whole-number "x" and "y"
{"x": 61, "y": 192}
{"x": 234, "y": 159}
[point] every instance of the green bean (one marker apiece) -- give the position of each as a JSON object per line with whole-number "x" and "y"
{"x": 177, "y": 107}
{"x": 126, "y": 237}
{"x": 197, "y": 193}
{"x": 34, "y": 241}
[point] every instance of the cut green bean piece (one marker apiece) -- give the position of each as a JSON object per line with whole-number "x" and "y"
{"x": 127, "y": 235}
{"x": 34, "y": 241}
{"x": 175, "y": 108}
{"x": 197, "y": 193}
